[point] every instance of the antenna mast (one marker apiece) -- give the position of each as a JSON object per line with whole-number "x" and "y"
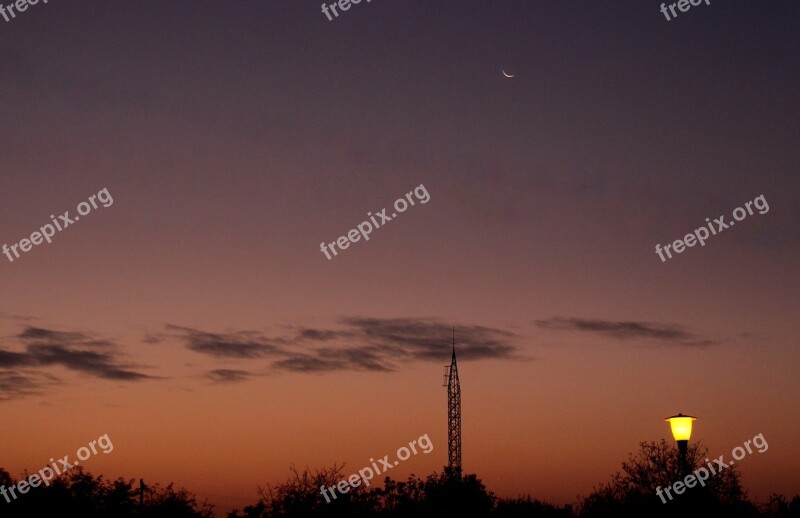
{"x": 453, "y": 412}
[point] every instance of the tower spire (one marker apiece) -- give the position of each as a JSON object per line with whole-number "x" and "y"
{"x": 454, "y": 413}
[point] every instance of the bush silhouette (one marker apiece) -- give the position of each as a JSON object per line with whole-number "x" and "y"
{"x": 78, "y": 493}
{"x": 632, "y": 491}
{"x": 437, "y": 495}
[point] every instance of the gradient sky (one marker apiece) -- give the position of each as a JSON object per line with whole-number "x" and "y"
{"x": 196, "y": 321}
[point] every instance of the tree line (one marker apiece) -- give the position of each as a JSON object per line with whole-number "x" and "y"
{"x": 629, "y": 492}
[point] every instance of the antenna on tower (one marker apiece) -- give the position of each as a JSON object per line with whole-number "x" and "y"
{"x": 453, "y": 412}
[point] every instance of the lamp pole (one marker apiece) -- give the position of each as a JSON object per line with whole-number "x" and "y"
{"x": 681, "y": 426}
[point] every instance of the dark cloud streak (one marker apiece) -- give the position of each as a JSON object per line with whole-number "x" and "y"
{"x": 43, "y": 348}
{"x": 628, "y": 330}
{"x": 241, "y": 344}
{"x": 362, "y": 344}
{"x": 228, "y": 375}
{"x": 15, "y": 384}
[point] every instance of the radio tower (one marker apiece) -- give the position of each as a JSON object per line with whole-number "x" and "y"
{"x": 453, "y": 412}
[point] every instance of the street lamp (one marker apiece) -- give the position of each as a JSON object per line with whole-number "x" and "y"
{"x": 681, "y": 426}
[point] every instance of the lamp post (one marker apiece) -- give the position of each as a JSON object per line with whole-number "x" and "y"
{"x": 681, "y": 426}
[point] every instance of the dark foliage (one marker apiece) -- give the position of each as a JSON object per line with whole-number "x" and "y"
{"x": 78, "y": 493}
{"x": 631, "y": 492}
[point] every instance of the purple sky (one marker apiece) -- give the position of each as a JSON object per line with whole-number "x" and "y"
{"x": 196, "y": 321}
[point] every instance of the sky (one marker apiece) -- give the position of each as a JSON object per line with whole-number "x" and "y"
{"x": 193, "y": 317}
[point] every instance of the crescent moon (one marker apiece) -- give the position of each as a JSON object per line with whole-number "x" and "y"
{"x": 508, "y": 76}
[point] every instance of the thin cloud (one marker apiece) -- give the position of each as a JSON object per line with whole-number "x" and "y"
{"x": 16, "y": 318}
{"x": 330, "y": 359}
{"x": 15, "y": 359}
{"x": 629, "y": 330}
{"x": 77, "y": 351}
{"x": 228, "y": 375}
{"x": 39, "y": 348}
{"x": 100, "y": 364}
{"x": 15, "y": 384}
{"x": 152, "y": 339}
{"x": 48, "y": 335}
{"x": 240, "y": 344}
{"x": 429, "y": 339}
{"x": 310, "y": 363}
{"x": 359, "y": 344}
{"x": 320, "y": 334}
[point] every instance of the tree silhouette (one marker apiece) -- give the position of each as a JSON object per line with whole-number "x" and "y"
{"x": 439, "y": 494}
{"x": 300, "y": 495}
{"x": 528, "y": 507}
{"x": 779, "y": 507}
{"x": 632, "y": 491}
{"x": 78, "y": 493}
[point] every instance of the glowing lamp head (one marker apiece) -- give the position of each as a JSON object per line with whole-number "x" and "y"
{"x": 681, "y": 426}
